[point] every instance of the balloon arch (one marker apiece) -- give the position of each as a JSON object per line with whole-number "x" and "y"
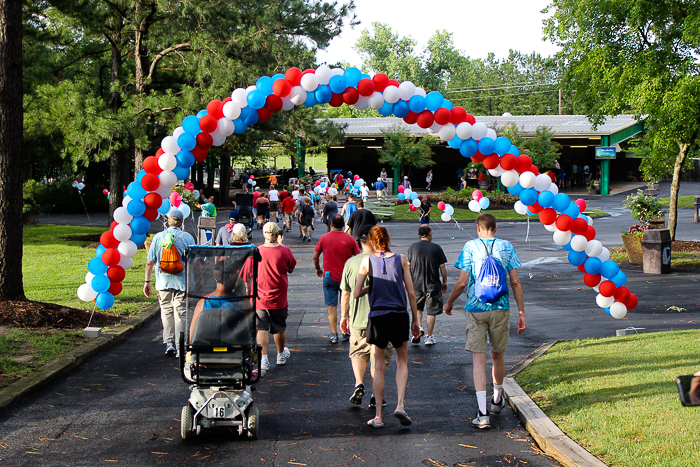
{"x": 150, "y": 194}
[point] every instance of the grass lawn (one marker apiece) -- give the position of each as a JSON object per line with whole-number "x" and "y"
{"x": 683, "y": 201}
{"x": 403, "y": 213}
{"x": 617, "y": 397}
{"x": 679, "y": 259}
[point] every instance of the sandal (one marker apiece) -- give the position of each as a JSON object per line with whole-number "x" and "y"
{"x": 403, "y": 418}
{"x": 374, "y": 424}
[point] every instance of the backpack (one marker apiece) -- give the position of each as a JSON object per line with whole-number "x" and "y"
{"x": 170, "y": 261}
{"x": 490, "y": 285}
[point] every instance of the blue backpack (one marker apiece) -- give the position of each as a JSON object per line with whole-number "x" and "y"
{"x": 490, "y": 285}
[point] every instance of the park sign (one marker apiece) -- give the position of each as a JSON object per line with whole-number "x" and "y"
{"x": 605, "y": 152}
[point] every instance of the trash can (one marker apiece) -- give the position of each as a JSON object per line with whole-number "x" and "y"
{"x": 390, "y": 186}
{"x": 651, "y": 192}
{"x": 656, "y": 251}
{"x": 697, "y": 209}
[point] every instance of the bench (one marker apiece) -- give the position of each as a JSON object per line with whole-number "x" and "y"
{"x": 381, "y": 210}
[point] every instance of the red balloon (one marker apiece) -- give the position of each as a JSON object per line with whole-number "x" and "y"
{"x": 591, "y": 280}
{"x": 337, "y": 100}
{"x": 491, "y": 161}
{"x": 381, "y": 81}
{"x": 607, "y": 288}
{"x": 112, "y": 226}
{"x": 116, "y": 273}
{"x": 393, "y": 82}
{"x": 107, "y": 240}
{"x": 425, "y": 119}
{"x": 150, "y": 182}
{"x": 228, "y": 99}
{"x": 631, "y": 302}
{"x": 151, "y": 214}
{"x": 622, "y": 294}
{"x": 581, "y": 203}
{"x": 548, "y": 216}
{"x": 152, "y": 201}
{"x": 534, "y": 169}
{"x": 412, "y": 207}
{"x": 207, "y": 124}
{"x": 535, "y": 208}
{"x": 590, "y": 233}
{"x": 293, "y": 75}
{"x": 470, "y": 119}
{"x": 351, "y": 96}
{"x": 366, "y": 87}
{"x": 478, "y": 157}
{"x": 458, "y": 115}
{"x": 581, "y": 268}
{"x": 115, "y": 288}
{"x": 159, "y": 153}
{"x": 508, "y": 162}
{"x": 111, "y": 257}
{"x": 264, "y": 114}
{"x": 411, "y": 118}
{"x": 580, "y": 226}
{"x": 199, "y": 154}
{"x": 214, "y": 109}
{"x": 307, "y": 71}
{"x": 523, "y": 163}
{"x": 150, "y": 165}
{"x": 273, "y": 102}
{"x": 281, "y": 87}
{"x": 442, "y": 116}
{"x": 204, "y": 140}
{"x": 564, "y": 222}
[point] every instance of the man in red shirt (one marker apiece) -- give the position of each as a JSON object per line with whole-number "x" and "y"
{"x": 256, "y": 195}
{"x": 284, "y": 193}
{"x": 288, "y": 206}
{"x": 337, "y": 247}
{"x": 277, "y": 261}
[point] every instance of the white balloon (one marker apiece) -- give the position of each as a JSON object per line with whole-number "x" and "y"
{"x": 420, "y": 92}
{"x": 449, "y": 210}
{"x": 589, "y": 219}
{"x": 594, "y": 248}
{"x": 337, "y": 72}
{"x": 519, "y": 207}
{"x": 542, "y": 182}
{"x": 491, "y": 133}
{"x": 474, "y": 206}
{"x": 596, "y": 288}
{"x": 416, "y": 203}
{"x": 127, "y": 248}
{"x": 297, "y": 95}
{"x": 122, "y": 216}
{"x": 445, "y": 217}
{"x": 122, "y": 232}
{"x": 510, "y": 178}
{"x": 323, "y": 74}
{"x": 164, "y": 191}
{"x": 86, "y": 294}
{"x": 447, "y": 132}
{"x": 169, "y": 145}
{"x": 232, "y": 110}
{"x": 253, "y": 183}
{"x": 89, "y": 277}
{"x": 239, "y": 96}
{"x": 464, "y": 130}
{"x": 479, "y": 130}
{"x": 407, "y": 192}
{"x": 551, "y": 227}
{"x": 376, "y": 101}
{"x": 392, "y": 94}
{"x": 178, "y": 131}
{"x": 553, "y": 187}
{"x": 250, "y": 89}
{"x": 167, "y": 178}
{"x": 618, "y": 310}
{"x": 126, "y": 262}
{"x": 287, "y": 104}
{"x": 362, "y": 103}
{"x": 225, "y": 126}
{"x": 497, "y": 172}
{"x": 185, "y": 209}
{"x": 579, "y": 243}
{"x": 528, "y": 179}
{"x": 218, "y": 138}
{"x": 167, "y": 162}
{"x": 125, "y": 201}
{"x": 407, "y": 90}
{"x": 561, "y": 237}
{"x": 603, "y": 301}
{"x": 309, "y": 82}
{"x": 604, "y": 255}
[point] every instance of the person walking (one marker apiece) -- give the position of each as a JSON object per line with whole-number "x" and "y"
{"x": 429, "y": 180}
{"x": 306, "y": 219}
{"x": 330, "y": 209}
{"x": 406, "y": 183}
{"x": 388, "y": 320}
{"x": 336, "y": 247}
{"x": 360, "y": 221}
{"x": 171, "y": 287}
{"x": 425, "y": 208}
{"x": 223, "y": 236}
{"x": 383, "y": 175}
{"x": 364, "y": 192}
{"x": 485, "y": 318}
{"x": 427, "y": 262}
{"x": 349, "y": 207}
{"x": 274, "y": 197}
{"x": 263, "y": 210}
{"x": 288, "y": 206}
{"x": 379, "y": 186}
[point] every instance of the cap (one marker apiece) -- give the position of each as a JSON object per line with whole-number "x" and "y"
{"x": 379, "y": 179}
{"x": 405, "y": 177}
{"x": 234, "y": 215}
{"x": 176, "y": 214}
{"x": 238, "y": 228}
{"x": 271, "y": 228}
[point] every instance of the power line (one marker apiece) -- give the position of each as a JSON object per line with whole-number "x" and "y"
{"x": 507, "y": 95}
{"x": 505, "y": 86}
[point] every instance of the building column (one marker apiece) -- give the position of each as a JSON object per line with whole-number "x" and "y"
{"x": 397, "y": 174}
{"x": 605, "y": 169}
{"x": 301, "y": 158}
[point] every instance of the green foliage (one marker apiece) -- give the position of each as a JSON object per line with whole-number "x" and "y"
{"x": 58, "y": 196}
{"x": 187, "y": 196}
{"x": 643, "y": 208}
{"x": 402, "y": 149}
{"x": 32, "y": 193}
{"x": 542, "y": 148}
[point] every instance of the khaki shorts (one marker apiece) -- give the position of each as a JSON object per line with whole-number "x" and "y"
{"x": 359, "y": 348}
{"x": 494, "y": 323}
{"x": 288, "y": 217}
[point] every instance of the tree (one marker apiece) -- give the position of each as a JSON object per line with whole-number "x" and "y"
{"x": 542, "y": 148}
{"x": 405, "y": 151}
{"x": 635, "y": 57}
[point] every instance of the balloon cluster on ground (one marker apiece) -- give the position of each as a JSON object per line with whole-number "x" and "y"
{"x": 152, "y": 192}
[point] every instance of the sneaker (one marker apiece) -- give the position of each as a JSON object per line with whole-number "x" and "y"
{"x": 282, "y": 358}
{"x": 346, "y": 337}
{"x": 308, "y": 239}
{"x": 430, "y": 340}
{"x": 416, "y": 340}
{"x": 373, "y": 402}
{"x": 265, "y": 365}
{"x": 481, "y": 421}
{"x": 357, "y": 395}
{"x": 303, "y": 238}
{"x": 170, "y": 349}
{"x": 496, "y": 408}
{"x": 333, "y": 339}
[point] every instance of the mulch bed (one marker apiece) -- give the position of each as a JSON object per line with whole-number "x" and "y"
{"x": 31, "y": 314}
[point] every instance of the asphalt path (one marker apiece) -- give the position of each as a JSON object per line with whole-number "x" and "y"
{"x": 123, "y": 405}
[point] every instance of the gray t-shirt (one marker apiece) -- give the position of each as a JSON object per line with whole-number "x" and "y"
{"x": 425, "y": 258}
{"x": 330, "y": 209}
{"x": 223, "y": 237}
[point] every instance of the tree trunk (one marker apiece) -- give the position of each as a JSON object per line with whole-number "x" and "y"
{"x": 225, "y": 180}
{"x": 115, "y": 163}
{"x": 139, "y": 87}
{"x": 675, "y": 183}
{"x": 11, "y": 117}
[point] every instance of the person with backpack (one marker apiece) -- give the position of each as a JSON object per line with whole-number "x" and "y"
{"x": 165, "y": 255}
{"x": 484, "y": 263}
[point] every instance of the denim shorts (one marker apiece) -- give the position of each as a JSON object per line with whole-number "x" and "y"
{"x": 331, "y": 289}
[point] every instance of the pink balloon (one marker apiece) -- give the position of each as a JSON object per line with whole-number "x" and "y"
{"x": 318, "y": 182}
{"x": 356, "y": 177}
{"x": 441, "y": 205}
{"x": 401, "y": 188}
{"x": 412, "y": 207}
{"x": 105, "y": 191}
{"x": 252, "y": 177}
{"x": 477, "y": 195}
{"x": 581, "y": 203}
{"x": 189, "y": 186}
{"x": 175, "y": 199}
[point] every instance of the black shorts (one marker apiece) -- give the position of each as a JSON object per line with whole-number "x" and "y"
{"x": 274, "y": 321}
{"x": 392, "y": 327}
{"x": 430, "y": 302}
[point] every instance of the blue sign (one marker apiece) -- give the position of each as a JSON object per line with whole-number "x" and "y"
{"x": 605, "y": 152}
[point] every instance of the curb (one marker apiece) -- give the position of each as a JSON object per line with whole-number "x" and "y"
{"x": 17, "y": 391}
{"x": 546, "y": 433}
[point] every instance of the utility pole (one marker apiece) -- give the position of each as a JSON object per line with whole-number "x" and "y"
{"x": 560, "y": 102}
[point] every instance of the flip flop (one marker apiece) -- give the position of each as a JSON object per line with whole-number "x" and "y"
{"x": 374, "y": 424}
{"x": 403, "y": 418}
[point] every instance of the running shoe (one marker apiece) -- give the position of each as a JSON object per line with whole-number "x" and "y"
{"x": 333, "y": 339}
{"x": 480, "y": 420}
{"x": 346, "y": 336}
{"x": 496, "y": 408}
{"x": 373, "y": 402}
{"x": 170, "y": 349}
{"x": 265, "y": 365}
{"x": 282, "y": 358}
{"x": 357, "y": 395}
{"x": 430, "y": 340}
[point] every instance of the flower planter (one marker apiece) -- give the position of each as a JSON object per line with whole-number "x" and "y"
{"x": 633, "y": 245}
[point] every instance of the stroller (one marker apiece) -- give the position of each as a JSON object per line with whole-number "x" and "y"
{"x": 244, "y": 205}
{"x": 219, "y": 357}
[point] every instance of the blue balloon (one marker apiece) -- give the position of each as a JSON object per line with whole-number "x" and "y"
{"x": 400, "y": 109}
{"x": 433, "y": 101}
{"x": 414, "y": 195}
{"x": 165, "y": 207}
{"x": 248, "y": 116}
{"x": 486, "y": 146}
{"x": 484, "y": 203}
{"x": 99, "y": 250}
{"x": 417, "y": 104}
{"x": 545, "y": 199}
{"x": 561, "y": 202}
{"x": 593, "y": 265}
{"x": 514, "y": 150}
{"x": 140, "y": 225}
{"x": 136, "y": 207}
{"x": 140, "y": 174}
{"x": 529, "y": 213}
{"x": 386, "y": 109}
{"x": 97, "y": 267}
{"x": 515, "y": 190}
{"x": 364, "y": 76}
{"x": 572, "y": 211}
{"x": 238, "y": 125}
{"x": 447, "y": 104}
{"x": 401, "y": 197}
{"x": 352, "y": 76}
{"x": 256, "y": 99}
{"x": 191, "y": 125}
{"x": 310, "y": 99}
{"x": 264, "y": 85}
{"x": 202, "y": 113}
{"x": 468, "y": 147}
{"x": 609, "y": 269}
{"x": 620, "y": 279}
{"x": 337, "y": 84}
{"x": 185, "y": 159}
{"x": 277, "y": 76}
{"x": 323, "y": 185}
{"x": 105, "y": 300}
{"x": 607, "y": 310}
{"x": 138, "y": 239}
{"x": 502, "y": 145}
{"x": 100, "y": 283}
{"x": 577, "y": 258}
{"x": 182, "y": 173}
{"x": 186, "y": 141}
{"x": 454, "y": 143}
{"x": 135, "y": 190}
{"x": 323, "y": 94}
{"x": 528, "y": 196}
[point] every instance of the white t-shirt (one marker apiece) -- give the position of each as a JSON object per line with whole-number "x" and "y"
{"x": 274, "y": 195}
{"x": 295, "y": 195}
{"x": 332, "y": 191}
{"x": 365, "y": 192}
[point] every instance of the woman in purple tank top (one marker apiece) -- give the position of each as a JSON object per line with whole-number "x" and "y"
{"x": 388, "y": 319}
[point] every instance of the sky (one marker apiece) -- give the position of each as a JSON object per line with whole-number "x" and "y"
{"x": 478, "y": 27}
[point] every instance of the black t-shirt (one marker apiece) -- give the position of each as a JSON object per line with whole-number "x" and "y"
{"x": 361, "y": 221}
{"x": 425, "y": 206}
{"x": 307, "y": 214}
{"x": 425, "y": 258}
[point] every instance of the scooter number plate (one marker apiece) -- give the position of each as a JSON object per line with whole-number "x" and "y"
{"x": 219, "y": 412}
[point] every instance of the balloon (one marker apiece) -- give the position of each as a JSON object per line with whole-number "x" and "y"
{"x": 127, "y": 248}
{"x": 477, "y": 195}
{"x": 542, "y": 182}
{"x": 545, "y": 198}
{"x": 441, "y": 205}
{"x": 139, "y": 226}
{"x": 579, "y": 243}
{"x": 413, "y": 195}
{"x": 406, "y": 90}
{"x": 122, "y": 232}
{"x": 100, "y": 283}
{"x": 620, "y": 279}
{"x": 366, "y": 87}
{"x": 581, "y": 203}
{"x": 484, "y": 203}
{"x": 468, "y": 148}
{"x": 110, "y": 257}
{"x": 510, "y": 178}
{"x": 416, "y": 203}
{"x": 116, "y": 273}
{"x": 445, "y": 217}
{"x": 528, "y": 196}
{"x": 122, "y": 216}
{"x": 618, "y": 310}
{"x": 447, "y": 132}
{"x": 97, "y": 267}
{"x": 416, "y": 104}
{"x": 411, "y": 207}
{"x": 150, "y": 182}
{"x": 561, "y": 237}
{"x": 479, "y": 130}
{"x": 561, "y": 202}
{"x": 607, "y": 288}
{"x": 604, "y": 301}
{"x": 185, "y": 210}
{"x": 632, "y": 302}
{"x": 449, "y": 209}
{"x": 593, "y": 265}
{"x": 548, "y": 216}
{"x": 486, "y": 146}
{"x": 577, "y": 258}
{"x": 605, "y": 255}
{"x": 401, "y": 189}
{"x": 126, "y": 262}
{"x": 105, "y": 300}
{"x": 520, "y": 208}
{"x": 169, "y": 145}
{"x": 232, "y": 110}
{"x": 527, "y": 180}
{"x": 175, "y": 199}
{"x": 591, "y": 280}
{"x": 464, "y": 130}
{"x": 135, "y": 190}
{"x": 564, "y": 222}
{"x": 401, "y": 196}
{"x": 594, "y": 248}
{"x": 622, "y": 294}
{"x": 474, "y": 206}
{"x": 85, "y": 293}
{"x": 168, "y": 179}
{"x": 609, "y": 269}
